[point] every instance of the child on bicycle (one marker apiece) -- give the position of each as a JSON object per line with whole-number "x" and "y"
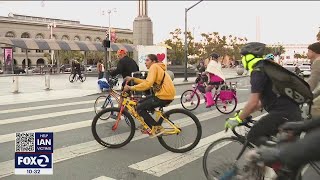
{"x": 163, "y": 88}
{"x": 215, "y": 77}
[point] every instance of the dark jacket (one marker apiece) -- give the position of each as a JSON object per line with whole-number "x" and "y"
{"x": 125, "y": 67}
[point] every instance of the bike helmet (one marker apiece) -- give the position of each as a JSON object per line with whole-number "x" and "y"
{"x": 254, "y": 48}
{"x": 215, "y": 55}
{"x": 269, "y": 56}
{"x": 121, "y": 52}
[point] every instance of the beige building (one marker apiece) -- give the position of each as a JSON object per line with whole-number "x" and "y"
{"x": 22, "y": 26}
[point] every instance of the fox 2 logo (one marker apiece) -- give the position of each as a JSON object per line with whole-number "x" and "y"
{"x": 33, "y": 160}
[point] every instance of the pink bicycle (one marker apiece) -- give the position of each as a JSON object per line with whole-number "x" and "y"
{"x": 225, "y": 97}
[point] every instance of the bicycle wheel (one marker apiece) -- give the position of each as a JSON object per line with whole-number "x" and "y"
{"x": 220, "y": 157}
{"x": 71, "y": 78}
{"x": 111, "y": 129}
{"x": 226, "y": 106}
{"x": 190, "y": 100}
{"x": 83, "y": 78}
{"x": 103, "y": 102}
{"x": 309, "y": 171}
{"x": 182, "y": 119}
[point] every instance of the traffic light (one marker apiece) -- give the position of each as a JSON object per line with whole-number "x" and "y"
{"x": 106, "y": 43}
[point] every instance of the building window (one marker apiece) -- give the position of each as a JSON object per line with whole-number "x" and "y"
{"x": 39, "y": 36}
{"x": 10, "y": 34}
{"x": 76, "y": 38}
{"x": 25, "y": 35}
{"x": 88, "y": 38}
{"x": 65, "y": 38}
{"x": 97, "y": 39}
{"x": 39, "y": 51}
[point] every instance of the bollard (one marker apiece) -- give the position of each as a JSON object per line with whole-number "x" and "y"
{"x": 47, "y": 81}
{"x": 15, "y": 84}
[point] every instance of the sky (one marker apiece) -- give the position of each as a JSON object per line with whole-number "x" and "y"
{"x": 295, "y": 22}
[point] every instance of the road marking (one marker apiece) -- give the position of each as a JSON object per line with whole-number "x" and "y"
{"x": 67, "y": 127}
{"x": 54, "y": 106}
{"x": 70, "y": 152}
{"x": 167, "y": 162}
{"x": 103, "y": 178}
{"x": 45, "y": 107}
{"x": 48, "y": 115}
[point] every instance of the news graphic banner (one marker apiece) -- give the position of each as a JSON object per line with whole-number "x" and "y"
{"x": 33, "y": 153}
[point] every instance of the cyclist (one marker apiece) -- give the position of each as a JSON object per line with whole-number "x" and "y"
{"x": 293, "y": 154}
{"x": 270, "y": 56}
{"x": 77, "y": 69}
{"x": 163, "y": 87}
{"x": 125, "y": 67}
{"x": 280, "y": 109}
{"x": 215, "y": 77}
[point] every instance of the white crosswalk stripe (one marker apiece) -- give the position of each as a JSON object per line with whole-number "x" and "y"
{"x": 157, "y": 165}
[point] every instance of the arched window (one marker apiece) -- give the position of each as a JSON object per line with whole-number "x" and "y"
{"x": 88, "y": 38}
{"x": 97, "y": 39}
{"x": 10, "y": 34}
{"x": 65, "y": 38}
{"x": 39, "y": 36}
{"x": 25, "y": 35}
{"x": 76, "y": 38}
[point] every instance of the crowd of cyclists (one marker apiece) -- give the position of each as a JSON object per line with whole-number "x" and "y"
{"x": 282, "y": 112}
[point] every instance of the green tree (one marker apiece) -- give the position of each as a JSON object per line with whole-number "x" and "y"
{"x": 318, "y": 36}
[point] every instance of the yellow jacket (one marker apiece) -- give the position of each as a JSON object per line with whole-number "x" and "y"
{"x": 155, "y": 75}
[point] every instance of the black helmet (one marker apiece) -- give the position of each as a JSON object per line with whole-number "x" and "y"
{"x": 254, "y": 48}
{"x": 215, "y": 55}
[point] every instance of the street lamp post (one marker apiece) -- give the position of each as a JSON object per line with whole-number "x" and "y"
{"x": 108, "y": 57}
{"x": 50, "y": 26}
{"x": 185, "y": 41}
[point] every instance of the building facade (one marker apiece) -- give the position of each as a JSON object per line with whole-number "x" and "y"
{"x": 22, "y": 26}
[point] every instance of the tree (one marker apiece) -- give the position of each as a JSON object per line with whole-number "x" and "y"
{"x": 318, "y": 36}
{"x": 276, "y": 50}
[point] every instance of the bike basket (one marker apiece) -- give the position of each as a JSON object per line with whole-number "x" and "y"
{"x": 226, "y": 94}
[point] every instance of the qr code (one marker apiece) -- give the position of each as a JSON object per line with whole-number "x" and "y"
{"x": 25, "y": 142}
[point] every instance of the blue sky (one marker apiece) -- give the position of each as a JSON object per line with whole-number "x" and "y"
{"x": 284, "y": 22}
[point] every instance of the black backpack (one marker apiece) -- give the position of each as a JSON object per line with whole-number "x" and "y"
{"x": 286, "y": 83}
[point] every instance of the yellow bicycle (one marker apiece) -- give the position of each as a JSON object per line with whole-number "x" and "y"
{"x": 176, "y": 123}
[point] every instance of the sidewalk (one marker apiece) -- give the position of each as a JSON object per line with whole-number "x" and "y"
{"x": 32, "y": 88}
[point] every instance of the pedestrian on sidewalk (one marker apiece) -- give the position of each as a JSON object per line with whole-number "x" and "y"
{"x": 215, "y": 77}
{"x": 100, "y": 68}
{"x": 314, "y": 79}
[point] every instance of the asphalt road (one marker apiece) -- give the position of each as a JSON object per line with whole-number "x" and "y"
{"x": 78, "y": 156}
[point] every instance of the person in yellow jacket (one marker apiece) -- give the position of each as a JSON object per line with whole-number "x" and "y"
{"x": 162, "y": 85}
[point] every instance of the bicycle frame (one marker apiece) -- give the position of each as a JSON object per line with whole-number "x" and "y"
{"x": 130, "y": 106}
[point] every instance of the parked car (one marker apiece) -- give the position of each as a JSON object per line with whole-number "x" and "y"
{"x": 92, "y": 68}
{"x": 290, "y": 67}
{"x": 18, "y": 70}
{"x": 65, "y": 68}
{"x": 305, "y": 70}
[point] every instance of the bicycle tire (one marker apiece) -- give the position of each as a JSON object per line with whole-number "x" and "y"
{"x": 314, "y": 165}
{"x": 106, "y": 144}
{"x": 226, "y": 112}
{"x": 83, "y": 79}
{"x": 106, "y": 103}
{"x": 198, "y": 136}
{"x": 186, "y": 107}
{"x": 227, "y": 170}
{"x": 71, "y": 78}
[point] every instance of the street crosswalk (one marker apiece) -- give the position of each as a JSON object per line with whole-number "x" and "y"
{"x": 74, "y": 142}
